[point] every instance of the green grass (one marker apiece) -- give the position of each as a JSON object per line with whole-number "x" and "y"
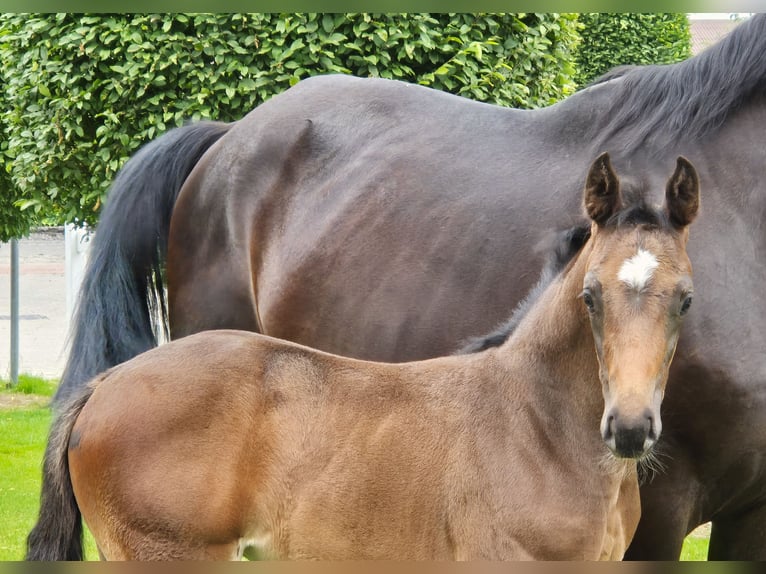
{"x": 23, "y": 433}
{"x": 695, "y": 549}
{"x": 30, "y": 385}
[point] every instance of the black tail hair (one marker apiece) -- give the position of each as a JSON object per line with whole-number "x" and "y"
{"x": 58, "y": 532}
{"x": 123, "y": 289}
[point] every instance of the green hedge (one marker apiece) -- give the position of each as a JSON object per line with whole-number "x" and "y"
{"x": 13, "y": 222}
{"x": 82, "y": 92}
{"x": 610, "y": 40}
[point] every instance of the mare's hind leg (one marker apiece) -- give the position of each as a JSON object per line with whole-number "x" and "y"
{"x": 739, "y": 537}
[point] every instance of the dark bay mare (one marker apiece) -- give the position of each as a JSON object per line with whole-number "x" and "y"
{"x": 387, "y": 221}
{"x": 224, "y": 441}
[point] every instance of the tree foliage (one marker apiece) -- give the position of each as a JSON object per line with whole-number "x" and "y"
{"x": 82, "y": 91}
{"x": 610, "y": 40}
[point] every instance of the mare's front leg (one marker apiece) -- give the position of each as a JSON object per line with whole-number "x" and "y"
{"x": 741, "y": 536}
{"x": 668, "y": 500}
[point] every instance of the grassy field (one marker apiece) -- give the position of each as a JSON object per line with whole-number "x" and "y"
{"x": 695, "y": 549}
{"x": 21, "y": 430}
{"x": 24, "y": 421}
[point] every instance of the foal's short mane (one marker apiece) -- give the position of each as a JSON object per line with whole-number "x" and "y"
{"x": 662, "y": 103}
{"x": 567, "y": 245}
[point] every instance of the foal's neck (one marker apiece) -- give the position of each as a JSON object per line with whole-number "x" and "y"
{"x": 553, "y": 347}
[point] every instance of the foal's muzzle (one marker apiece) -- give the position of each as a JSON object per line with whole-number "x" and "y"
{"x": 630, "y": 437}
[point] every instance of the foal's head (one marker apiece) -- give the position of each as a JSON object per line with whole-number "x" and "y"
{"x": 637, "y": 289}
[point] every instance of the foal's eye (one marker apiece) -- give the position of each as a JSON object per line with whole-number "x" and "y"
{"x": 685, "y": 305}
{"x": 587, "y": 298}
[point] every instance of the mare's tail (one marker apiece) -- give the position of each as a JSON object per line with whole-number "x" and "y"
{"x": 122, "y": 292}
{"x": 58, "y": 532}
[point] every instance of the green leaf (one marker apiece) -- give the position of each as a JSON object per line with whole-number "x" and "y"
{"x": 328, "y": 23}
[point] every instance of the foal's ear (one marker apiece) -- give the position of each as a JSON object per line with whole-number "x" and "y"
{"x": 602, "y": 190}
{"x": 682, "y": 194}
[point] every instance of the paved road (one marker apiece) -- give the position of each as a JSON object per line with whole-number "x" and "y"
{"x": 42, "y": 305}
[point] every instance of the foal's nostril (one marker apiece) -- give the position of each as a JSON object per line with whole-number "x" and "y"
{"x": 609, "y": 428}
{"x": 651, "y": 427}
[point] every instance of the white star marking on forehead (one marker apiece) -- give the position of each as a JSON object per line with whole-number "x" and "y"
{"x": 637, "y": 271}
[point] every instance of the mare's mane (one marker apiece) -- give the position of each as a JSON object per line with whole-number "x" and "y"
{"x": 661, "y": 104}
